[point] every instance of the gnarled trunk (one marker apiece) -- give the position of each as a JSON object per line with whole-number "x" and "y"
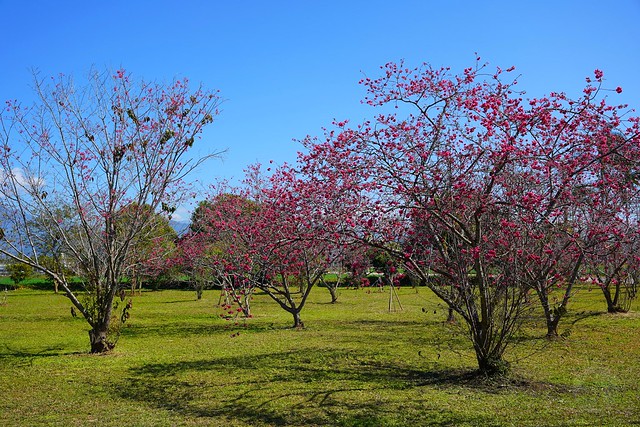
{"x": 99, "y": 340}
{"x": 613, "y": 305}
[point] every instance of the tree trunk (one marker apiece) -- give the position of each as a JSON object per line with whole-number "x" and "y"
{"x": 297, "y": 322}
{"x": 489, "y": 356}
{"x": 246, "y": 310}
{"x": 98, "y": 339}
{"x": 551, "y": 320}
{"x": 451, "y": 317}
{"x": 612, "y": 302}
{"x": 552, "y": 326}
{"x": 492, "y": 366}
{"x": 611, "y": 306}
{"x": 334, "y": 294}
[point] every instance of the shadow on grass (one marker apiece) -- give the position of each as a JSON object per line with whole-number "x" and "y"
{"x": 213, "y": 325}
{"x": 26, "y": 357}
{"x": 583, "y": 315}
{"x": 305, "y": 387}
{"x": 384, "y": 323}
{"x": 180, "y": 301}
{"x": 203, "y": 329}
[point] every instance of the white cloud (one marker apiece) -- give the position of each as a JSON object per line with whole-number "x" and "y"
{"x": 182, "y": 214}
{"x": 28, "y": 182}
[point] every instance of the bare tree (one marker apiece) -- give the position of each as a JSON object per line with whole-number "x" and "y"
{"x": 110, "y": 143}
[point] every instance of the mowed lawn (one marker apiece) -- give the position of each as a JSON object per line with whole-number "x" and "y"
{"x": 178, "y": 363}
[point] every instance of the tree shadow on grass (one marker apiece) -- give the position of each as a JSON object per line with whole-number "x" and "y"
{"x": 203, "y": 329}
{"x": 584, "y": 315}
{"x": 180, "y": 301}
{"x": 303, "y": 387}
{"x": 26, "y": 357}
{"x": 401, "y": 323}
{"x": 169, "y": 330}
{"x": 250, "y": 326}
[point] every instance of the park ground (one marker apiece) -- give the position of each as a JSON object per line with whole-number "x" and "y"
{"x": 179, "y": 363}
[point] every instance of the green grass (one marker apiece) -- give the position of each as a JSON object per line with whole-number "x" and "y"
{"x": 356, "y": 364}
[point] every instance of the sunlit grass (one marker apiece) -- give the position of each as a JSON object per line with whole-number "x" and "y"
{"x": 356, "y": 364}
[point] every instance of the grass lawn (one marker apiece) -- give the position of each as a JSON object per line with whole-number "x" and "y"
{"x": 356, "y": 364}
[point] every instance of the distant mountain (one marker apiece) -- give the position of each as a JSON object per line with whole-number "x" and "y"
{"x": 181, "y": 227}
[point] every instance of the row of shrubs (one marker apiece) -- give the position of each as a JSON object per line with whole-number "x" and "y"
{"x": 39, "y": 282}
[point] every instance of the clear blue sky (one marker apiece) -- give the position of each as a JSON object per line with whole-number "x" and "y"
{"x": 287, "y": 68}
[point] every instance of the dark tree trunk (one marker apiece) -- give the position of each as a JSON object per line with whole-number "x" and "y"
{"x": 297, "y": 322}
{"x": 493, "y": 367}
{"x": 551, "y": 315}
{"x": 451, "y": 317}
{"x": 488, "y": 355}
{"x": 611, "y": 306}
{"x": 552, "y": 326}
{"x": 612, "y": 302}
{"x": 98, "y": 339}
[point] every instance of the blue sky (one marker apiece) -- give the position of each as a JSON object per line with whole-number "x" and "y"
{"x": 287, "y": 68}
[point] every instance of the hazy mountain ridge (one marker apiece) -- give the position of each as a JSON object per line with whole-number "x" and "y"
{"x": 181, "y": 227}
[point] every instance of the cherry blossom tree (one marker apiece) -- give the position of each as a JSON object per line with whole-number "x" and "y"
{"x": 294, "y": 244}
{"x": 613, "y": 266}
{"x": 192, "y": 258}
{"x": 613, "y": 216}
{"x": 95, "y": 148}
{"x": 477, "y": 191}
{"x": 215, "y": 249}
{"x": 269, "y": 238}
